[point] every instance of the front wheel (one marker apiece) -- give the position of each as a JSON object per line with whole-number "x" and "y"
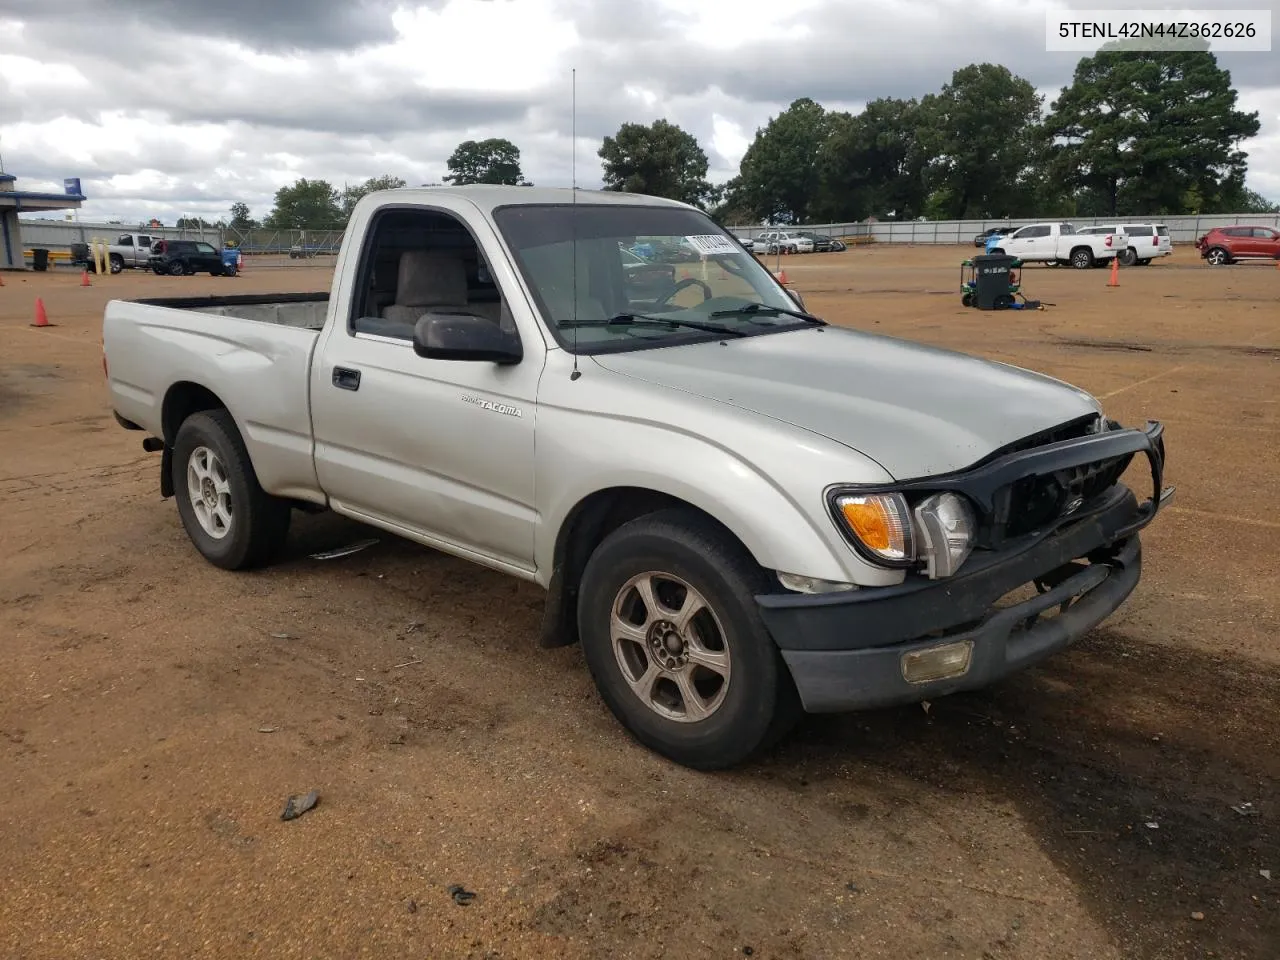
{"x": 1218, "y": 257}
{"x": 231, "y": 520}
{"x": 676, "y": 647}
{"x": 1128, "y": 258}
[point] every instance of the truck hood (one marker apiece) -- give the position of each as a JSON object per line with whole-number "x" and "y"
{"x": 916, "y": 410}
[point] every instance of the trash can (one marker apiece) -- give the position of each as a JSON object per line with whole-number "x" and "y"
{"x": 230, "y": 262}
{"x": 41, "y": 259}
{"x": 993, "y": 281}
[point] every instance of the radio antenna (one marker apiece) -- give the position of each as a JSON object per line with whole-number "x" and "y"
{"x": 573, "y": 215}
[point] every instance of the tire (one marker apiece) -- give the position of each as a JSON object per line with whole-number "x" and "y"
{"x": 1128, "y": 258}
{"x": 208, "y": 443}
{"x": 966, "y": 300}
{"x": 116, "y": 263}
{"x": 748, "y": 705}
{"x": 1081, "y": 258}
{"x": 1218, "y": 257}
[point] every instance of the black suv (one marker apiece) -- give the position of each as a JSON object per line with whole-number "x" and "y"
{"x": 185, "y": 257}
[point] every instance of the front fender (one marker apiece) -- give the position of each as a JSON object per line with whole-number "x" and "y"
{"x": 778, "y": 513}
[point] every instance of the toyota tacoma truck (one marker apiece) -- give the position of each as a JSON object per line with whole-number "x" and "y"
{"x": 740, "y": 511}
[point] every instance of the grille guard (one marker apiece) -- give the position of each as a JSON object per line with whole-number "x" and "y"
{"x": 988, "y": 485}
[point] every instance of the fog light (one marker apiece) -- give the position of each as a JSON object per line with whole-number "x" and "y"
{"x": 937, "y": 663}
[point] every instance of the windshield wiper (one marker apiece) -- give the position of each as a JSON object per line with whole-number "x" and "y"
{"x": 625, "y": 319}
{"x": 760, "y": 308}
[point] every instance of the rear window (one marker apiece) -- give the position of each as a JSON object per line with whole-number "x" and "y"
{"x": 1162, "y": 230}
{"x": 181, "y": 246}
{"x": 1139, "y": 230}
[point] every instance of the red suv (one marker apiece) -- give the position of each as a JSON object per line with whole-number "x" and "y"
{"x": 1229, "y": 244}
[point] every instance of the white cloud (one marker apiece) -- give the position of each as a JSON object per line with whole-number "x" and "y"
{"x": 188, "y": 112}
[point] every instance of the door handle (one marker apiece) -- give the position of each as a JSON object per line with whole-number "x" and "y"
{"x": 344, "y": 378}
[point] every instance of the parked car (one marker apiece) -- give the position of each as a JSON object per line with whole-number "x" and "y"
{"x": 980, "y": 239}
{"x": 775, "y": 241}
{"x": 821, "y": 242}
{"x": 187, "y": 257}
{"x": 767, "y": 514}
{"x": 1060, "y": 243}
{"x": 1223, "y": 245}
{"x": 748, "y": 243}
{"x": 1146, "y": 241}
{"x": 128, "y": 250}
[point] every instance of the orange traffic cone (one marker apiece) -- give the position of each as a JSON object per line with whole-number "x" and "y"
{"x": 1115, "y": 273}
{"x": 84, "y": 279}
{"x": 42, "y": 318}
{"x": 2, "y": 276}
{"x": 782, "y": 277}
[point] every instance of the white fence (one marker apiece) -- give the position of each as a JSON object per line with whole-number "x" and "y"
{"x": 1181, "y": 229}
{"x": 61, "y": 234}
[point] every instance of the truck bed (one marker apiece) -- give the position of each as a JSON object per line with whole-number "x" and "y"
{"x": 252, "y": 352}
{"x": 305, "y": 310}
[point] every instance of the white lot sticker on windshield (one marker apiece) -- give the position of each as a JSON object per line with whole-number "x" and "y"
{"x": 714, "y": 245}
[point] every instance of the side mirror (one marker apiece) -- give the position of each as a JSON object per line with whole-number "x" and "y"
{"x": 465, "y": 336}
{"x": 795, "y": 295}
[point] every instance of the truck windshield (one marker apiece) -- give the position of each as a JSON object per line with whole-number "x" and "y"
{"x": 640, "y": 261}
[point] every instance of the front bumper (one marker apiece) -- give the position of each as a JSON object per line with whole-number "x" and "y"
{"x": 849, "y": 651}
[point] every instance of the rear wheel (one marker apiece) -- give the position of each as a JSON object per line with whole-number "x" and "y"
{"x": 1082, "y": 258}
{"x": 674, "y": 642}
{"x": 231, "y": 520}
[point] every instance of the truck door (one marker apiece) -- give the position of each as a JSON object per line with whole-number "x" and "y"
{"x": 1029, "y": 243}
{"x": 441, "y": 450}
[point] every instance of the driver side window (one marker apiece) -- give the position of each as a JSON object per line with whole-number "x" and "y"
{"x": 416, "y": 262}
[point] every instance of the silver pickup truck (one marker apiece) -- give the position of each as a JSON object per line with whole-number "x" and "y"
{"x": 740, "y": 511}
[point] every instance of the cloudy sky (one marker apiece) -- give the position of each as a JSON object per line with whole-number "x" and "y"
{"x": 172, "y": 107}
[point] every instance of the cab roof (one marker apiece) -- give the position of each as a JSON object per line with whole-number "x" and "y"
{"x": 488, "y": 197}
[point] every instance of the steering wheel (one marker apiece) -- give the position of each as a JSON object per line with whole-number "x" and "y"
{"x": 686, "y": 282}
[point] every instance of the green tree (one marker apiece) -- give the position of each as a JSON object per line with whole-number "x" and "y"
{"x": 305, "y": 204}
{"x": 495, "y": 160}
{"x": 778, "y": 178}
{"x": 351, "y": 195}
{"x": 240, "y": 218}
{"x": 660, "y": 159}
{"x": 1151, "y": 132}
{"x": 983, "y": 135}
{"x": 1245, "y": 200}
{"x": 871, "y": 164}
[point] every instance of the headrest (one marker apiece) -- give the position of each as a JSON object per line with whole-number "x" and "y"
{"x": 428, "y": 278}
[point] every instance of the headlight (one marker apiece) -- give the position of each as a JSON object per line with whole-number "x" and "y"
{"x": 880, "y": 524}
{"x": 945, "y": 525}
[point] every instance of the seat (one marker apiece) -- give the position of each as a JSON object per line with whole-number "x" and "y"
{"x": 426, "y": 281}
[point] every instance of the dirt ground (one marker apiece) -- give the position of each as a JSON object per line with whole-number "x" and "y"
{"x": 156, "y": 712}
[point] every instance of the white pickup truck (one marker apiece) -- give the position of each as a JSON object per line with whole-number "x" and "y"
{"x": 1060, "y": 244}
{"x": 740, "y": 511}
